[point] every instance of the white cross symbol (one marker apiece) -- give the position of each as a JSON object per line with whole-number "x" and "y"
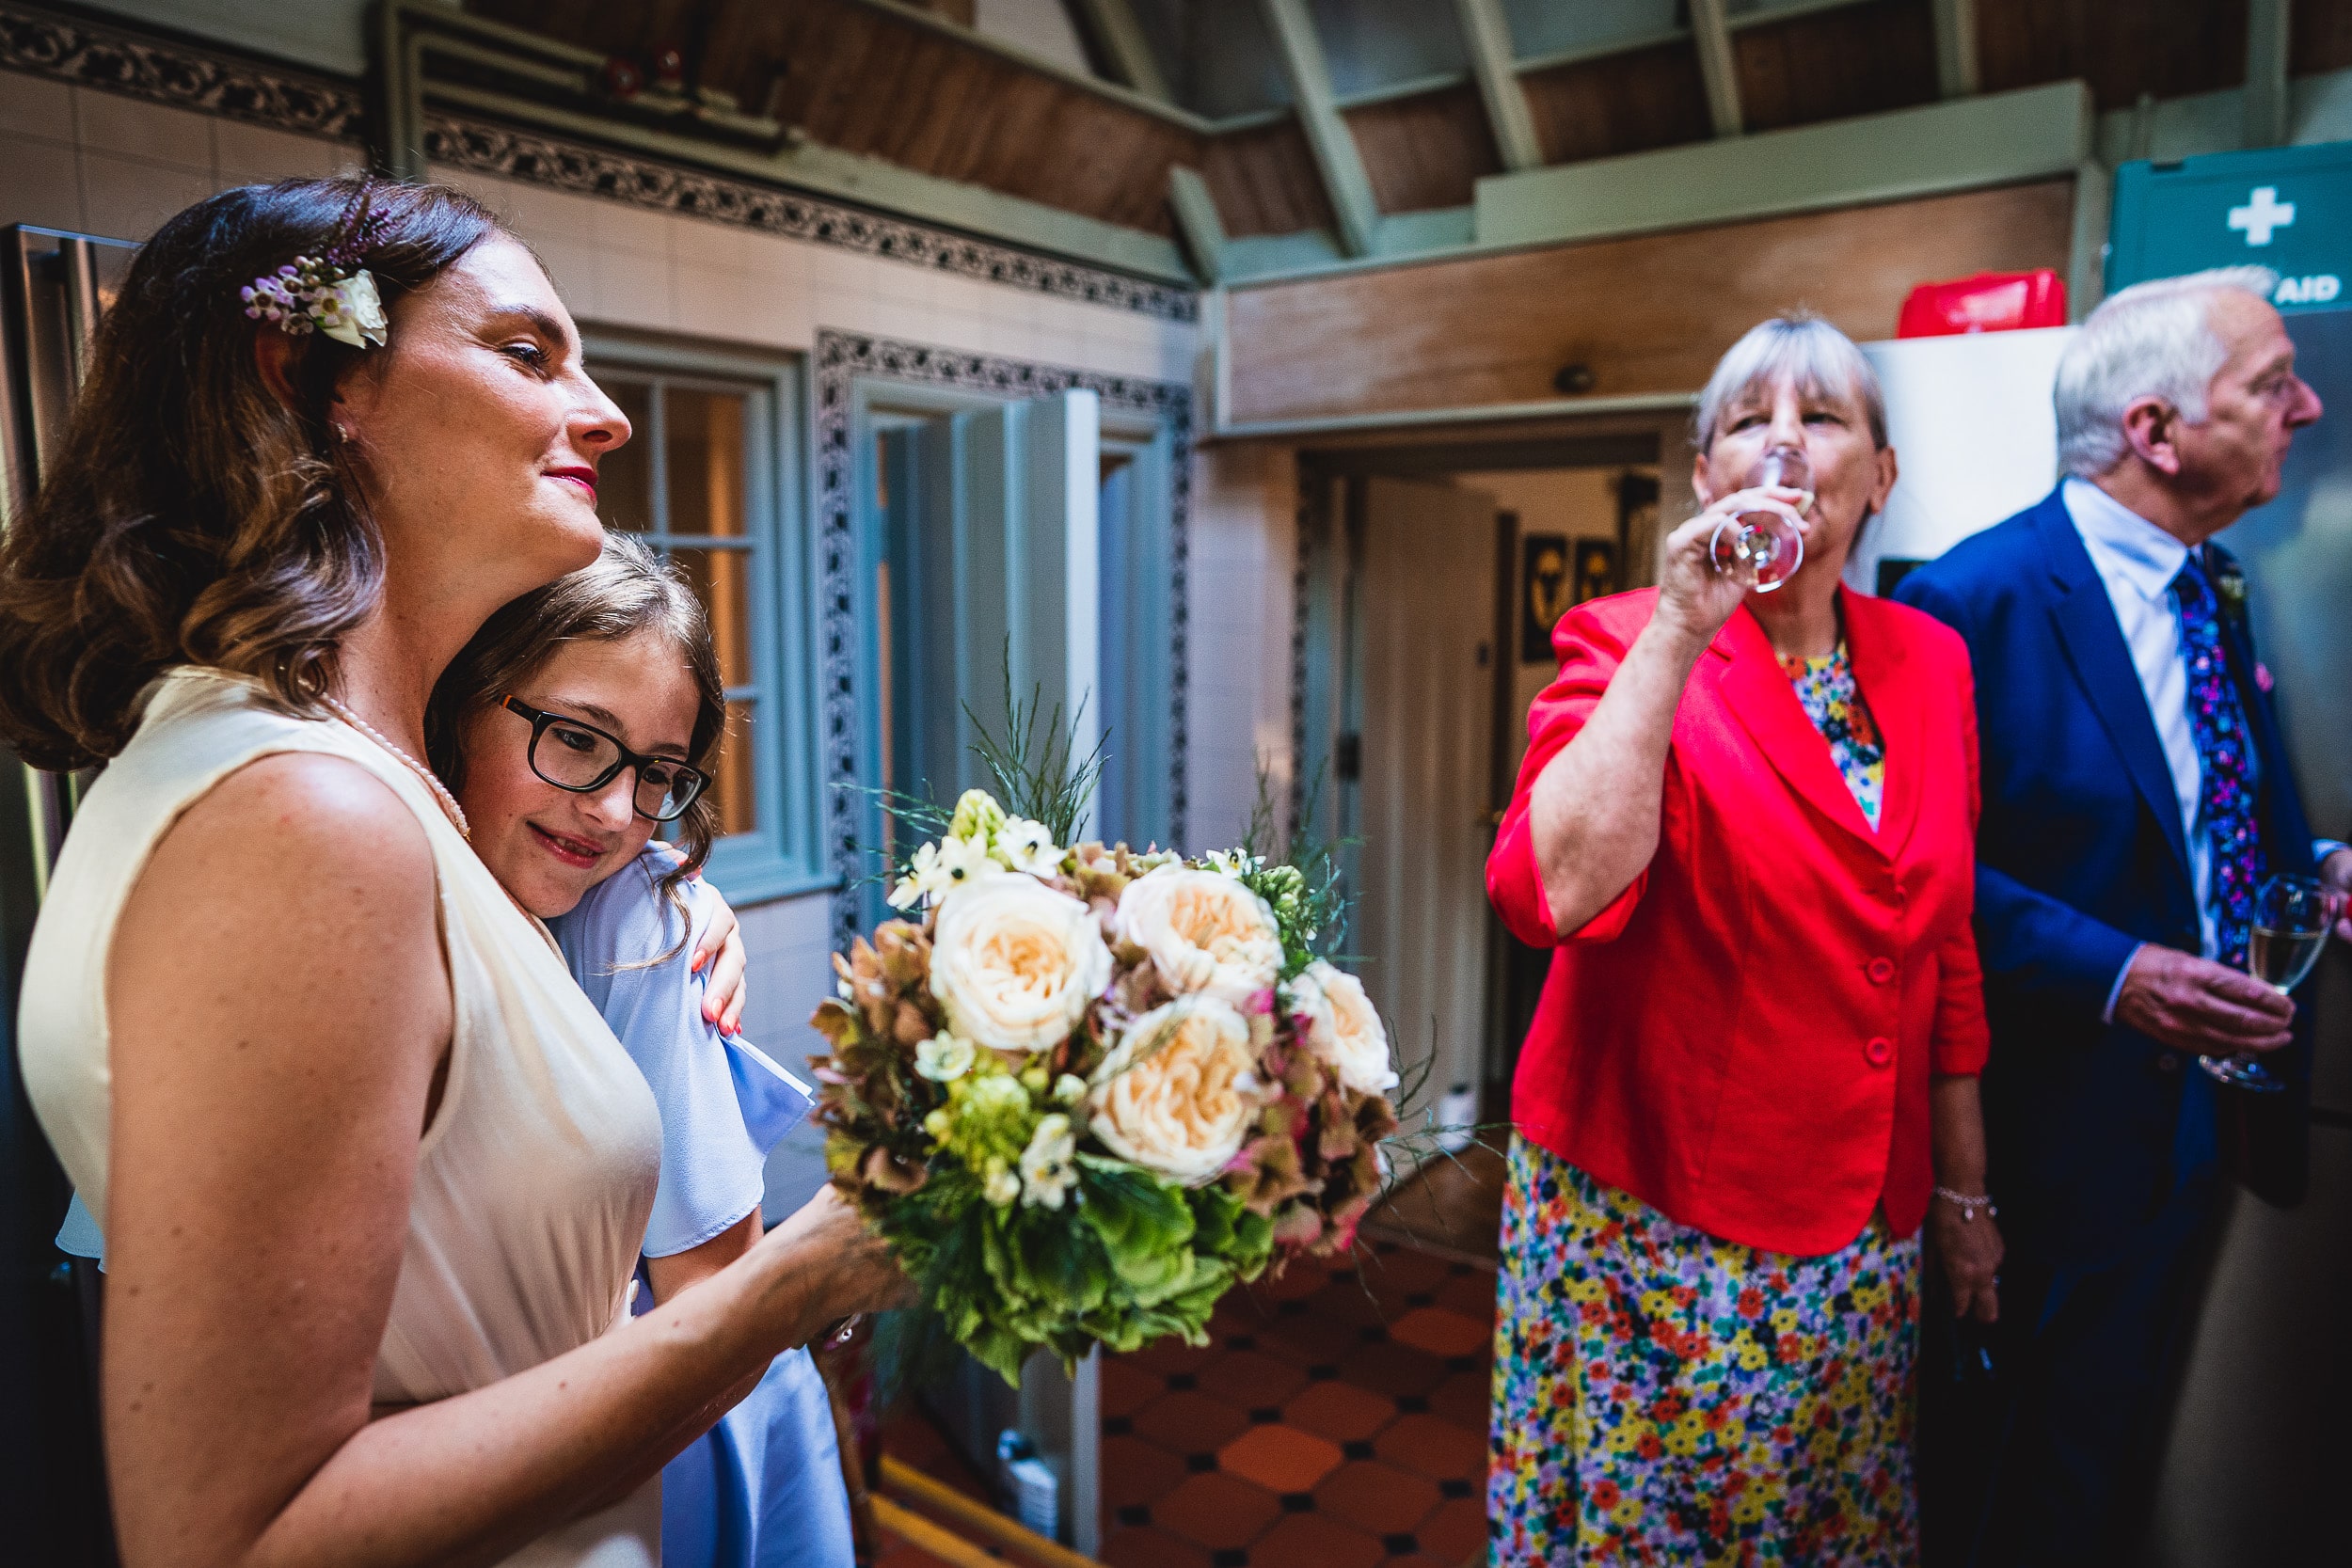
{"x": 2262, "y": 212}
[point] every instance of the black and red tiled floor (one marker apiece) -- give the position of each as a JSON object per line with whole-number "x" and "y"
{"x": 1336, "y": 1419}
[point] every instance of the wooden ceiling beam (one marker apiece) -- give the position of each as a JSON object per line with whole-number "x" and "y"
{"x": 1957, "y": 72}
{"x": 2266, "y": 107}
{"x": 1198, "y": 221}
{"x": 1337, "y": 157}
{"x": 1488, "y": 33}
{"x": 1718, "y": 69}
{"x": 1110, "y": 26}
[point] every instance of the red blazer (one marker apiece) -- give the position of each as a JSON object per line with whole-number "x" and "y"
{"x": 1742, "y": 1038}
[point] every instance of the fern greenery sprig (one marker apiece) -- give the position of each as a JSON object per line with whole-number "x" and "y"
{"x": 1306, "y": 891}
{"x": 1036, "y": 764}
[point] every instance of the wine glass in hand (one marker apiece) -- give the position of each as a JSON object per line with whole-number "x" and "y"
{"x": 1764, "y": 541}
{"x": 2292, "y": 918}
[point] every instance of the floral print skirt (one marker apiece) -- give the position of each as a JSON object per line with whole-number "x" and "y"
{"x": 1665, "y": 1396}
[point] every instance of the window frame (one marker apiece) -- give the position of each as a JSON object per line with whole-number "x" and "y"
{"x": 784, "y": 855}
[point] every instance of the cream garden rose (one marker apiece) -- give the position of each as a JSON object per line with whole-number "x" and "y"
{"x": 1178, "y": 1095}
{"x": 1206, "y": 932}
{"x": 1016, "y": 963}
{"x": 1340, "y": 1025}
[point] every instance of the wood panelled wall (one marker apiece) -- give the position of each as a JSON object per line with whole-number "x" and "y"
{"x": 864, "y": 81}
{"x": 1264, "y": 182}
{"x": 1623, "y": 103}
{"x": 1829, "y": 65}
{"x": 2166, "y": 47}
{"x": 1426, "y": 151}
{"x": 1647, "y": 315}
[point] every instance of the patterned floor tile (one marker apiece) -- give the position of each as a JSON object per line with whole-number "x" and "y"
{"x": 1344, "y": 1413}
{"x": 1282, "y": 1459}
{"x": 1379, "y": 1497}
{"x": 1217, "y": 1510}
{"x": 1313, "y": 1540}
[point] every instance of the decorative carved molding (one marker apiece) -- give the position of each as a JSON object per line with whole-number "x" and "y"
{"x": 840, "y": 359}
{"x": 528, "y": 155}
{"x": 93, "y": 54}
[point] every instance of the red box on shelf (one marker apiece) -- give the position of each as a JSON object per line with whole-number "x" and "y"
{"x": 1989, "y": 302}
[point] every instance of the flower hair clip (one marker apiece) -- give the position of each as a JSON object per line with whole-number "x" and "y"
{"x": 331, "y": 294}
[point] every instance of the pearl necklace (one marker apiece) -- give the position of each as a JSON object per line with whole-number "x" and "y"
{"x": 448, "y": 802}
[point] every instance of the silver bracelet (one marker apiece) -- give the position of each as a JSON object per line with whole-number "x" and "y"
{"x": 1969, "y": 1207}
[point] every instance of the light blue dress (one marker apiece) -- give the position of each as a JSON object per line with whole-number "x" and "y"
{"x": 763, "y": 1488}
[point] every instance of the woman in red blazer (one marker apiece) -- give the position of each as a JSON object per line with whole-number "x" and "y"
{"x": 1747, "y": 822}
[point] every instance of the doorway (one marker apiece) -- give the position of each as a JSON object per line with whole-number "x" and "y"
{"x": 1434, "y": 574}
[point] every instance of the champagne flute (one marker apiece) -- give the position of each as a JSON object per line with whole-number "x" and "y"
{"x": 2292, "y": 916}
{"x": 1764, "y": 541}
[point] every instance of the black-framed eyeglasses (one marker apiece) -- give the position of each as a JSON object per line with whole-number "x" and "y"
{"x": 573, "y": 755}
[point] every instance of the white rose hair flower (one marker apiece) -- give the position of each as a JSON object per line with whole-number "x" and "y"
{"x": 1205, "y": 931}
{"x": 1177, "y": 1096}
{"x": 1016, "y": 963}
{"x": 1339, "y": 1024}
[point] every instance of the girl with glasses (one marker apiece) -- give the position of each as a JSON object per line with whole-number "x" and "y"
{"x": 582, "y": 720}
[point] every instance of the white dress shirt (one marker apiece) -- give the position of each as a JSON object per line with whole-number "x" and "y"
{"x": 2136, "y": 561}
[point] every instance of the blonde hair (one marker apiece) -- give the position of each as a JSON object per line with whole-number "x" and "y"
{"x": 1798, "y": 347}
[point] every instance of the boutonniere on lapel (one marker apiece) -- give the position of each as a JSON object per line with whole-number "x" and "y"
{"x": 2229, "y": 586}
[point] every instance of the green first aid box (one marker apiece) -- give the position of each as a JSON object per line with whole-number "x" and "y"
{"x": 2285, "y": 208}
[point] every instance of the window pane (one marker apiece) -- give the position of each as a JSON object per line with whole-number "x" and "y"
{"x": 705, "y": 432}
{"x": 625, "y": 478}
{"x": 721, "y": 579}
{"x": 731, "y": 791}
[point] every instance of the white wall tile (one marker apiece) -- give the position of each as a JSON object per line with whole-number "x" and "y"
{"x": 126, "y": 198}
{"x": 109, "y": 122}
{"x": 639, "y": 231}
{"x": 34, "y": 106}
{"x": 572, "y": 264}
{"x": 707, "y": 241}
{"x": 539, "y": 213}
{"x": 743, "y": 305}
{"x": 249, "y": 153}
{"x": 43, "y": 185}
{"x": 634, "y": 290}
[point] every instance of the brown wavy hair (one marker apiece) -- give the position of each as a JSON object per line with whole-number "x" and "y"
{"x": 194, "y": 515}
{"x": 624, "y": 591}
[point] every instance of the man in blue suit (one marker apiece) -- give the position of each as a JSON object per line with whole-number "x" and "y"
{"x": 2136, "y": 794}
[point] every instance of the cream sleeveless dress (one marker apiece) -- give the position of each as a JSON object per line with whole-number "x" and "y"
{"x": 536, "y": 1177}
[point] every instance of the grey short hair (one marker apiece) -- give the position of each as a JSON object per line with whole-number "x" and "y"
{"x": 2154, "y": 340}
{"x": 1799, "y": 346}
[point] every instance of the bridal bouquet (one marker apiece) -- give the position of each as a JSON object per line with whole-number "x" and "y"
{"x": 1085, "y": 1092}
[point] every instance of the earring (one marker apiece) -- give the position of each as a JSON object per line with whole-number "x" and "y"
{"x": 342, "y": 436}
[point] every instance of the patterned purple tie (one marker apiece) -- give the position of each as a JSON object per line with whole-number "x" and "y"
{"x": 2226, "y": 802}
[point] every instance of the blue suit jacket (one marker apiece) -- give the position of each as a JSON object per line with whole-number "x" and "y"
{"x": 2079, "y": 859}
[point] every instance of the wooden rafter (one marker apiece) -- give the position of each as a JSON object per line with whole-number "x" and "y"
{"x": 1957, "y": 72}
{"x": 1337, "y": 158}
{"x": 1488, "y": 33}
{"x": 2266, "y": 107}
{"x": 1718, "y": 68}
{"x": 1111, "y": 26}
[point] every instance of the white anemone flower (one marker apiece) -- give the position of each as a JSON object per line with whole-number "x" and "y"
{"x": 943, "y": 1058}
{"x": 1049, "y": 1166}
{"x": 1026, "y": 845}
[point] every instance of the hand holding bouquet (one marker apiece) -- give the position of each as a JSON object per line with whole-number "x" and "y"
{"x": 1083, "y": 1092}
